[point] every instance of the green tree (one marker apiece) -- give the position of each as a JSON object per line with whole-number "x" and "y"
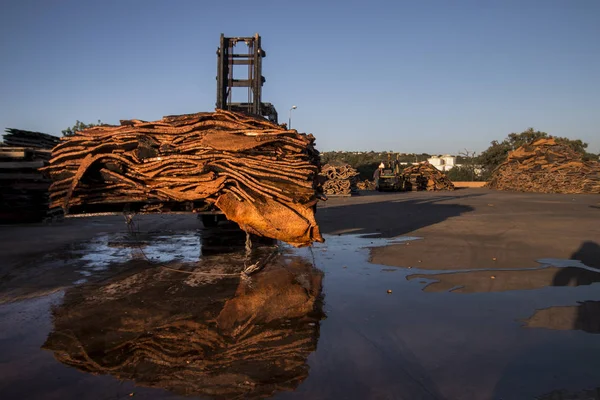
{"x": 468, "y": 168}
{"x": 462, "y": 173}
{"x": 497, "y": 153}
{"x": 79, "y": 126}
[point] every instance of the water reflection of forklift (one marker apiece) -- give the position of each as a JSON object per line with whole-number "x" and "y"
{"x": 388, "y": 176}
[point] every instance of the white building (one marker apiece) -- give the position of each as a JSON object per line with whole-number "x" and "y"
{"x": 443, "y": 163}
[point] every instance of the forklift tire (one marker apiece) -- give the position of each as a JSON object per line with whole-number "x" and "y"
{"x": 210, "y": 220}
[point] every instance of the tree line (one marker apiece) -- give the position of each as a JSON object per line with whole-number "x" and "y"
{"x": 472, "y": 167}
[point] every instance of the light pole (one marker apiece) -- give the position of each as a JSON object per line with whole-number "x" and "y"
{"x": 290, "y": 120}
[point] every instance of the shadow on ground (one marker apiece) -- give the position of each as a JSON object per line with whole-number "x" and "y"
{"x": 586, "y": 315}
{"x": 390, "y": 217}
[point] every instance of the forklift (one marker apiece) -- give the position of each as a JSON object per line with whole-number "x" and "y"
{"x": 390, "y": 176}
{"x": 232, "y": 52}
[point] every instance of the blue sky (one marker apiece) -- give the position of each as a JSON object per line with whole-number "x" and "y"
{"x": 410, "y": 76}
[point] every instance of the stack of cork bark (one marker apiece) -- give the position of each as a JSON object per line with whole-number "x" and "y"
{"x": 546, "y": 166}
{"x": 260, "y": 175}
{"x": 23, "y": 188}
{"x": 339, "y": 180}
{"x": 425, "y": 176}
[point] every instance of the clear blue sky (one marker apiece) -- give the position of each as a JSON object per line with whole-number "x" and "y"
{"x": 409, "y": 76}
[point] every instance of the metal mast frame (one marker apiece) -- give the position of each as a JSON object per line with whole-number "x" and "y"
{"x": 227, "y": 58}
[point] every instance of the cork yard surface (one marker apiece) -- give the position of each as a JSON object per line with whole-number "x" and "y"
{"x": 469, "y": 294}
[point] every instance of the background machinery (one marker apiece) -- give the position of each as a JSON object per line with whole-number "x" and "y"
{"x": 390, "y": 177}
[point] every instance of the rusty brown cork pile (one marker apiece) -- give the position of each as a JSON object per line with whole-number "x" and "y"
{"x": 546, "y": 166}
{"x": 425, "y": 176}
{"x": 339, "y": 179}
{"x": 260, "y": 175}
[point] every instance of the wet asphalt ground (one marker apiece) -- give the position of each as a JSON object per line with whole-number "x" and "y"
{"x": 472, "y": 294}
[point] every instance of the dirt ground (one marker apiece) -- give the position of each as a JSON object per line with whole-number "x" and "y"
{"x": 451, "y": 295}
{"x": 468, "y": 229}
{"x": 472, "y": 228}
{"x": 464, "y": 229}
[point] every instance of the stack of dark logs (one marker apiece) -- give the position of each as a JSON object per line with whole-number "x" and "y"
{"x": 546, "y": 166}
{"x": 339, "y": 180}
{"x": 260, "y": 175}
{"x": 23, "y": 188}
{"x": 37, "y": 140}
{"x": 425, "y": 176}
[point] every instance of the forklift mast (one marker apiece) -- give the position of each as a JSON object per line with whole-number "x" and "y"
{"x": 227, "y": 58}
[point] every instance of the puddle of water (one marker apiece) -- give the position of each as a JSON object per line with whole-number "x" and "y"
{"x": 115, "y": 248}
{"x": 466, "y": 346}
{"x": 230, "y": 339}
{"x": 182, "y": 325}
{"x": 552, "y": 272}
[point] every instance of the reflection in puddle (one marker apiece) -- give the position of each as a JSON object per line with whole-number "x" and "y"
{"x": 228, "y": 339}
{"x": 191, "y": 326}
{"x": 162, "y": 247}
{"x": 108, "y": 249}
{"x": 590, "y": 394}
{"x": 553, "y": 272}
